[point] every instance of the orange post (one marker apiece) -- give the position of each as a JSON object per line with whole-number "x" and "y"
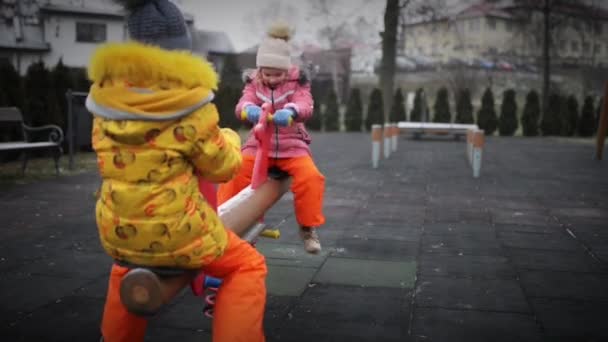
{"x": 387, "y": 140}
{"x": 477, "y": 142}
{"x": 376, "y": 144}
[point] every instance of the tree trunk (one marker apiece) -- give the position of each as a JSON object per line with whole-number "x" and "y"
{"x": 389, "y": 54}
{"x": 546, "y": 53}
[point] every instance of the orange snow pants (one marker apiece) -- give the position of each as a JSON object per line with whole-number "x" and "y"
{"x": 308, "y": 185}
{"x": 239, "y": 309}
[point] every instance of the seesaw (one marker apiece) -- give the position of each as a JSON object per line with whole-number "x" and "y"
{"x": 145, "y": 290}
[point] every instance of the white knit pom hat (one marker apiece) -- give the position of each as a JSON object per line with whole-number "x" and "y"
{"x": 274, "y": 51}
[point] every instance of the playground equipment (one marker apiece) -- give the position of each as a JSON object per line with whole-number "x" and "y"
{"x": 384, "y": 139}
{"x": 145, "y": 290}
{"x": 475, "y": 141}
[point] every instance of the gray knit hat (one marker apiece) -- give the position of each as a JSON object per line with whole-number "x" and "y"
{"x": 157, "y": 22}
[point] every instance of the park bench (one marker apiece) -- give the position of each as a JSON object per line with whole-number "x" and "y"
{"x": 11, "y": 117}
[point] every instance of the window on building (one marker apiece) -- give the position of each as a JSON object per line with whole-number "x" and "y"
{"x": 598, "y": 49}
{"x": 586, "y": 47}
{"x": 509, "y": 26}
{"x": 563, "y": 45}
{"x": 91, "y": 32}
{"x": 460, "y": 26}
{"x": 598, "y": 28}
{"x": 492, "y": 23}
{"x": 474, "y": 24}
{"x": 574, "y": 46}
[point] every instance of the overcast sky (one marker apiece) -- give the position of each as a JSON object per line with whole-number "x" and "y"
{"x": 242, "y": 19}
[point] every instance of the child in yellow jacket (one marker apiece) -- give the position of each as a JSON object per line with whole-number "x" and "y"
{"x": 154, "y": 130}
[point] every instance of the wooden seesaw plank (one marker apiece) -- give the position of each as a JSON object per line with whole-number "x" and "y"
{"x": 144, "y": 293}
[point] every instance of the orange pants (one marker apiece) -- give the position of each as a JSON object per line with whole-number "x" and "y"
{"x": 307, "y": 186}
{"x": 239, "y": 308}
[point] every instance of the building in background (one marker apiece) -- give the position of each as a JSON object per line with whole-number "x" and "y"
{"x": 506, "y": 34}
{"x": 32, "y": 31}
{"x": 498, "y": 44}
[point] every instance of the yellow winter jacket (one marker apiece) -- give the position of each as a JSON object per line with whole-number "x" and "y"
{"x": 154, "y": 129}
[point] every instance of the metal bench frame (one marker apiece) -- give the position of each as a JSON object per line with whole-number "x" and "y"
{"x": 12, "y": 115}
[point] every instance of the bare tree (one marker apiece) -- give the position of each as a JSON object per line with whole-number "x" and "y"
{"x": 255, "y": 24}
{"x": 546, "y": 28}
{"x": 389, "y": 52}
{"x": 334, "y": 30}
{"x": 394, "y": 12}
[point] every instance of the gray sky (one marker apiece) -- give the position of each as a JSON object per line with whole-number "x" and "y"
{"x": 230, "y": 16}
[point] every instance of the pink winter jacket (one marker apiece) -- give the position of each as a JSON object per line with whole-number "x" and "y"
{"x": 294, "y": 93}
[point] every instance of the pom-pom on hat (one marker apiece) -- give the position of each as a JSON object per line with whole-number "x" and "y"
{"x": 274, "y": 52}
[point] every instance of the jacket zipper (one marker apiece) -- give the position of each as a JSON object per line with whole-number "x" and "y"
{"x": 276, "y": 128}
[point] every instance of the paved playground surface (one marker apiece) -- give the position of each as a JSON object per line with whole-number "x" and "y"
{"x": 416, "y": 250}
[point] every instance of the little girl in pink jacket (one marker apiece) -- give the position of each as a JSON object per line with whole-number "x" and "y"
{"x": 277, "y": 82}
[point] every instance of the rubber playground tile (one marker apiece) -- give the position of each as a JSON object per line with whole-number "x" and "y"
{"x": 376, "y": 249}
{"x": 290, "y": 255}
{"x": 405, "y": 232}
{"x": 70, "y": 318}
{"x": 592, "y": 286}
{"x": 277, "y": 309}
{"x": 458, "y": 228}
{"x": 601, "y": 253}
{"x": 518, "y": 228}
{"x": 522, "y": 217}
{"x": 181, "y": 335}
{"x": 185, "y": 312}
{"x": 572, "y": 320}
{"x": 444, "y": 325}
{"x": 288, "y": 280}
{"x": 96, "y": 288}
{"x": 587, "y": 212}
{"x": 434, "y": 215}
{"x": 22, "y": 293}
{"x": 475, "y": 266}
{"x": 368, "y": 273}
{"x": 347, "y": 313}
{"x": 397, "y": 224}
{"x": 535, "y": 259}
{"x": 478, "y": 244}
{"x": 71, "y": 264}
{"x": 557, "y": 241}
{"x": 471, "y": 294}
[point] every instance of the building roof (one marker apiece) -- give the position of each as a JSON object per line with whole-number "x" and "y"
{"x": 28, "y": 46}
{"x": 83, "y": 11}
{"x": 212, "y": 41}
{"x": 118, "y": 14}
{"x": 322, "y": 59}
{"x": 484, "y": 9}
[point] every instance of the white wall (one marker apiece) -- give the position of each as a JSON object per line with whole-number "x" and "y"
{"x": 60, "y": 33}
